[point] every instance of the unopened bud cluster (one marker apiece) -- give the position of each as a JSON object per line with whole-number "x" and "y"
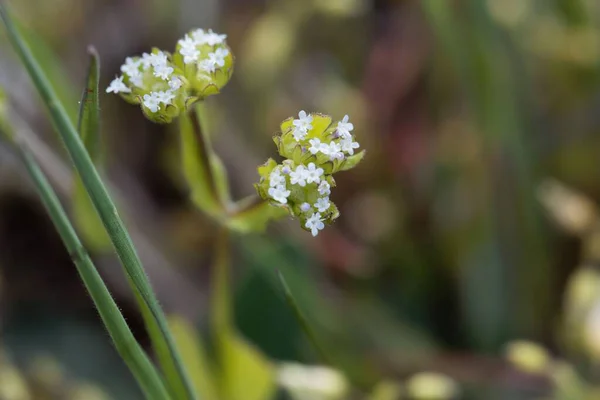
{"x": 313, "y": 149}
{"x": 165, "y": 84}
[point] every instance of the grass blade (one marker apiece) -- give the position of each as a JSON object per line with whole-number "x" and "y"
{"x": 84, "y": 215}
{"x": 154, "y": 317}
{"x": 128, "y": 348}
{"x": 289, "y": 297}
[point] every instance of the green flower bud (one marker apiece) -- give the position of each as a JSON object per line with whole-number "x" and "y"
{"x": 313, "y": 149}
{"x": 166, "y": 85}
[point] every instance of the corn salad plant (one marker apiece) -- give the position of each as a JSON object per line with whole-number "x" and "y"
{"x": 170, "y": 88}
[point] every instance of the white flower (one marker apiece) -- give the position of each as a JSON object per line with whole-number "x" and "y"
{"x": 165, "y": 97}
{"x": 279, "y": 193}
{"x": 315, "y": 145}
{"x": 146, "y": 61}
{"x": 212, "y": 39}
{"x": 117, "y": 86}
{"x": 131, "y": 67}
{"x": 324, "y": 188}
{"x": 189, "y": 50}
{"x": 323, "y": 204}
{"x": 198, "y": 36}
{"x": 348, "y": 145}
{"x": 175, "y": 83}
{"x": 163, "y": 72}
{"x": 344, "y": 128}
{"x": 302, "y": 125}
{"x": 304, "y": 207}
{"x": 335, "y": 151}
{"x": 298, "y": 176}
{"x": 158, "y": 59}
{"x": 276, "y": 179}
{"x": 315, "y": 224}
{"x": 313, "y": 174}
{"x": 152, "y": 102}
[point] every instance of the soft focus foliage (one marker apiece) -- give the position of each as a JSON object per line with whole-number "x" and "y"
{"x": 467, "y": 241}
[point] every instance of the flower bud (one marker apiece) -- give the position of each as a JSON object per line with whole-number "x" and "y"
{"x": 313, "y": 149}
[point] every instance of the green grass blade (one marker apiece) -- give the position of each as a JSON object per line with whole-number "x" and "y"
{"x": 154, "y": 317}
{"x": 88, "y": 124}
{"x": 289, "y": 297}
{"x": 128, "y": 348}
{"x": 84, "y": 215}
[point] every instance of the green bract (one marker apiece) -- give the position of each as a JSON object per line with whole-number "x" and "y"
{"x": 313, "y": 149}
{"x": 165, "y": 85}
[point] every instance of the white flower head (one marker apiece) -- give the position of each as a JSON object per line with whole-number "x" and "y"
{"x": 279, "y": 193}
{"x": 305, "y": 207}
{"x": 313, "y": 174}
{"x": 146, "y": 61}
{"x": 335, "y": 151}
{"x": 117, "y": 86}
{"x": 165, "y": 97}
{"x": 298, "y": 176}
{"x": 344, "y": 128}
{"x": 163, "y": 72}
{"x": 322, "y": 204}
{"x": 212, "y": 39}
{"x": 348, "y": 145}
{"x": 189, "y": 50}
{"x": 302, "y": 125}
{"x": 175, "y": 83}
{"x": 314, "y": 223}
{"x": 131, "y": 68}
{"x": 276, "y": 179}
{"x": 198, "y": 36}
{"x": 315, "y": 145}
{"x": 152, "y": 101}
{"x": 324, "y": 188}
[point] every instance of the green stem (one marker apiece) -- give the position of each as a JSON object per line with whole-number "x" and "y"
{"x": 152, "y": 312}
{"x": 128, "y": 348}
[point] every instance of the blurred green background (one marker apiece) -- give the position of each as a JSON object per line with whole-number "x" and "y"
{"x": 455, "y": 235}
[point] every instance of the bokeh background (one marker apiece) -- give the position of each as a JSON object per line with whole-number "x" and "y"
{"x": 462, "y": 230}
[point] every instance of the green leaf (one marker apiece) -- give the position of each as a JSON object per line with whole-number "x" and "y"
{"x": 194, "y": 357}
{"x": 352, "y": 161}
{"x": 253, "y": 214}
{"x": 198, "y": 167}
{"x": 85, "y": 217}
{"x": 128, "y": 348}
{"x": 289, "y": 297}
{"x": 153, "y": 315}
{"x": 246, "y": 373}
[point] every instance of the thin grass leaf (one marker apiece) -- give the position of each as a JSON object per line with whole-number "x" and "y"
{"x": 289, "y": 297}
{"x": 128, "y": 348}
{"x": 85, "y": 217}
{"x": 179, "y": 382}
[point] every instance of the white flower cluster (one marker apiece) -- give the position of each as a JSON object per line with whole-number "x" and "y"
{"x": 301, "y": 176}
{"x": 190, "y": 48}
{"x": 168, "y": 84}
{"x": 334, "y": 149}
{"x": 314, "y": 148}
{"x": 149, "y": 73}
